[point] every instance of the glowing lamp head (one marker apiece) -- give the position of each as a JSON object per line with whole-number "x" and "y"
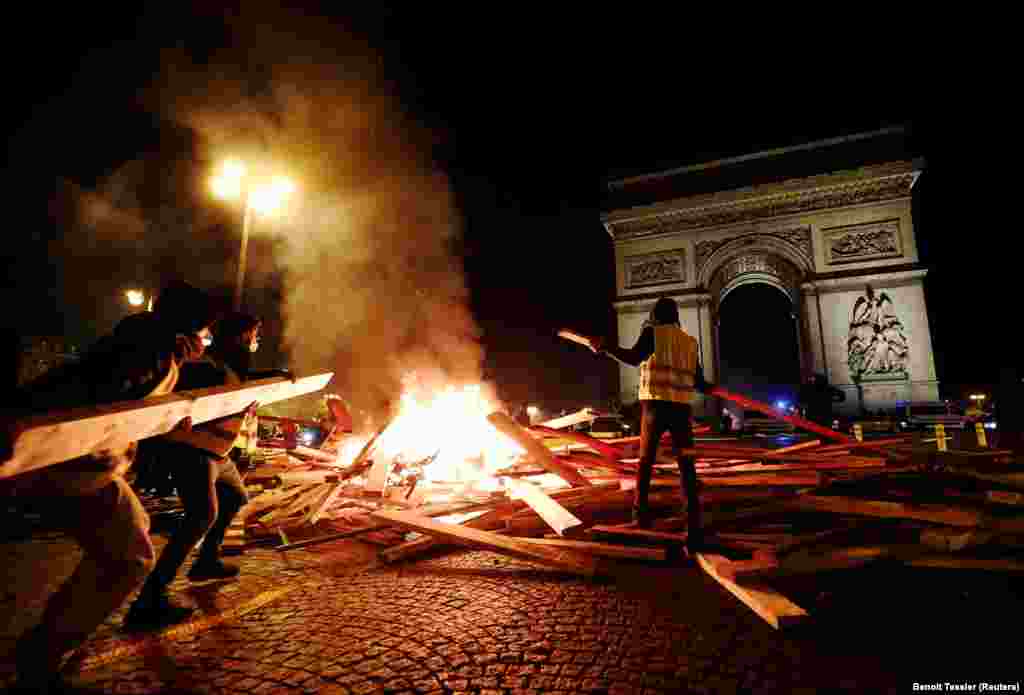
{"x": 227, "y": 184}
{"x": 135, "y": 297}
{"x": 532, "y": 411}
{"x": 269, "y": 198}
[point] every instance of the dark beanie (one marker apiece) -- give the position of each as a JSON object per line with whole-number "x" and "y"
{"x": 234, "y": 324}
{"x": 665, "y": 312}
{"x": 185, "y": 309}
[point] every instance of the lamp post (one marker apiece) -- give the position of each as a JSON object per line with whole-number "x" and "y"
{"x": 260, "y": 196}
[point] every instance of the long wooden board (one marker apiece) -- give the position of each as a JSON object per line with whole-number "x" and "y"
{"x": 569, "y": 560}
{"x": 626, "y": 552}
{"x": 764, "y": 408}
{"x": 555, "y": 515}
{"x": 44, "y": 440}
{"x": 940, "y": 514}
{"x": 777, "y": 610}
{"x": 579, "y": 417}
{"x": 537, "y": 451}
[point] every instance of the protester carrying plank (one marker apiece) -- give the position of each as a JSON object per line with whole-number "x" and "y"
{"x": 202, "y": 470}
{"x": 89, "y": 496}
{"x": 670, "y": 375}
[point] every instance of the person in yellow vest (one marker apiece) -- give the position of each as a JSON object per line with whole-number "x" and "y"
{"x": 670, "y": 376}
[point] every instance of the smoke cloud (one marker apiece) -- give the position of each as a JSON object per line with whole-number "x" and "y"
{"x": 371, "y": 287}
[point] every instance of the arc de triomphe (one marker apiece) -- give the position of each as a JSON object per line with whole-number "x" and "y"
{"x": 840, "y": 246}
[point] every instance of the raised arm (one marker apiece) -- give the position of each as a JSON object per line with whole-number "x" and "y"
{"x": 633, "y": 356}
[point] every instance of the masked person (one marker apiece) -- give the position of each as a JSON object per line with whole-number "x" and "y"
{"x": 670, "y": 375}
{"x": 89, "y": 496}
{"x": 202, "y": 470}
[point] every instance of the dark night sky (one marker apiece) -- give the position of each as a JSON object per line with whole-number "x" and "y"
{"x": 532, "y": 114}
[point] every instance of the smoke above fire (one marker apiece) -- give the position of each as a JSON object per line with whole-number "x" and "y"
{"x": 371, "y": 286}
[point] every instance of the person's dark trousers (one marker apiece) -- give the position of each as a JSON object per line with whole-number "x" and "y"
{"x": 656, "y": 418}
{"x": 211, "y": 493}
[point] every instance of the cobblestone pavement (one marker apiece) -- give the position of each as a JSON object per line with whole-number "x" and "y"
{"x": 482, "y": 623}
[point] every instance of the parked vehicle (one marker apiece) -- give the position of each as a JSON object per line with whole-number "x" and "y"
{"x": 876, "y": 423}
{"x": 758, "y": 423}
{"x": 919, "y": 416}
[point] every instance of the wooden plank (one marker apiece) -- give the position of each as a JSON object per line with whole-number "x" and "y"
{"x": 603, "y": 549}
{"x": 764, "y": 408}
{"x": 638, "y": 534}
{"x": 577, "y": 418}
{"x": 797, "y": 447}
{"x": 773, "y": 607}
{"x": 613, "y": 453}
{"x": 555, "y": 515}
{"x": 537, "y": 451}
{"x": 574, "y": 337}
{"x": 787, "y": 467}
{"x": 798, "y": 479}
{"x": 831, "y": 560}
{"x": 968, "y": 563}
{"x": 569, "y": 560}
{"x": 940, "y": 514}
{"x": 495, "y": 518}
{"x": 44, "y": 440}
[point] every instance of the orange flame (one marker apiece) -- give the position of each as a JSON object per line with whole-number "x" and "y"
{"x": 451, "y": 423}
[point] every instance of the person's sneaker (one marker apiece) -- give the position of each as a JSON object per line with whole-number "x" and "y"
{"x": 154, "y": 612}
{"x": 211, "y": 569}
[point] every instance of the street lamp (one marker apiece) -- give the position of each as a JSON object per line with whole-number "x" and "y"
{"x": 263, "y": 196}
{"x": 135, "y": 297}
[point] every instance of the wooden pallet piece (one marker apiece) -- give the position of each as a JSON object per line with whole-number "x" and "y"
{"x": 44, "y": 440}
{"x": 777, "y": 610}
{"x": 568, "y": 560}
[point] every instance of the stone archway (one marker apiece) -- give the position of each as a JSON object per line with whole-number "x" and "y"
{"x": 764, "y": 259}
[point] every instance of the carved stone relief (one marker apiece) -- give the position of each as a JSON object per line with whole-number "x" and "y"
{"x": 799, "y": 237}
{"x": 877, "y": 347}
{"x": 656, "y": 268}
{"x": 760, "y": 262}
{"x": 863, "y": 242}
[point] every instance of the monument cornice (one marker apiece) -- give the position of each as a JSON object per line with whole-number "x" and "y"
{"x": 889, "y": 277}
{"x": 644, "y": 302}
{"x": 871, "y": 184}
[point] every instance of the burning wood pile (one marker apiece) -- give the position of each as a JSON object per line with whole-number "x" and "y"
{"x": 453, "y": 470}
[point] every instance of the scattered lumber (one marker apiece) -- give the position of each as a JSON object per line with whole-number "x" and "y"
{"x": 569, "y": 560}
{"x": 819, "y": 505}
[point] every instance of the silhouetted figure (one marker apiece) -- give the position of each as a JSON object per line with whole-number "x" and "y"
{"x": 89, "y": 496}
{"x": 670, "y": 376}
{"x": 817, "y": 397}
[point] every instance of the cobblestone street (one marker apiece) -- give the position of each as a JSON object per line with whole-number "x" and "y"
{"x": 331, "y": 620}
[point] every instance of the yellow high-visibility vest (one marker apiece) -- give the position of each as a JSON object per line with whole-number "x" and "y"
{"x": 669, "y": 373}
